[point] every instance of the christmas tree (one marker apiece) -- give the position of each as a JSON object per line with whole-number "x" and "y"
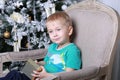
{"x": 22, "y": 22}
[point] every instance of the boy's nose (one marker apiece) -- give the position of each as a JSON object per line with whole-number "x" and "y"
{"x": 54, "y": 33}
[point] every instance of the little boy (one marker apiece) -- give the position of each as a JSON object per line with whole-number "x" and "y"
{"x": 62, "y": 55}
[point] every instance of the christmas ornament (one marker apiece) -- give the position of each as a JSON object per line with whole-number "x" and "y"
{"x": 27, "y": 44}
{"x": 6, "y": 34}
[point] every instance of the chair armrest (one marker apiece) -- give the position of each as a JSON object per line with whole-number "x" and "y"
{"x": 21, "y": 56}
{"x": 25, "y": 55}
{"x": 81, "y": 74}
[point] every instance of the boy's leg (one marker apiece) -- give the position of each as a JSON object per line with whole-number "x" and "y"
{"x": 15, "y": 75}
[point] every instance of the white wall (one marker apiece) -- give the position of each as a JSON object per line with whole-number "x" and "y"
{"x": 115, "y": 4}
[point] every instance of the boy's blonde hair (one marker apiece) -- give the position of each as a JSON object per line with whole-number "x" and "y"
{"x": 62, "y": 16}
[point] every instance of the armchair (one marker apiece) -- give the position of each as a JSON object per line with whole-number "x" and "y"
{"x": 95, "y": 33}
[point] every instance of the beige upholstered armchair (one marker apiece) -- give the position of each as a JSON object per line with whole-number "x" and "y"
{"x": 95, "y": 33}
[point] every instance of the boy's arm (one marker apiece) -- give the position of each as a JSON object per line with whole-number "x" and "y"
{"x": 69, "y": 69}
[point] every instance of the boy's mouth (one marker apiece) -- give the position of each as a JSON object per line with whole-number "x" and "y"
{"x": 56, "y": 39}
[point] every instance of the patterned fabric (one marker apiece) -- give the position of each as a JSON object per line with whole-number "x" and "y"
{"x": 58, "y": 60}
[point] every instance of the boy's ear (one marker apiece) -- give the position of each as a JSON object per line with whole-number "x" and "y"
{"x": 70, "y": 30}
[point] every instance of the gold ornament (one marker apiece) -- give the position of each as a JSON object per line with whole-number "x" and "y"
{"x": 30, "y": 18}
{"x": 6, "y": 34}
{"x": 27, "y": 44}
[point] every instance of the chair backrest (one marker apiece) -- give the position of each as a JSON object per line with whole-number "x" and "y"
{"x": 95, "y": 31}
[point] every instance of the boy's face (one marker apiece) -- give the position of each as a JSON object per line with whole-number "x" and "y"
{"x": 58, "y": 32}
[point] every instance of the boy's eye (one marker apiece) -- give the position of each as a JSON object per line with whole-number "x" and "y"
{"x": 50, "y": 31}
{"x": 58, "y": 29}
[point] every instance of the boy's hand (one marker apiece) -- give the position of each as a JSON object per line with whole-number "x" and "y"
{"x": 40, "y": 75}
{"x": 36, "y": 73}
